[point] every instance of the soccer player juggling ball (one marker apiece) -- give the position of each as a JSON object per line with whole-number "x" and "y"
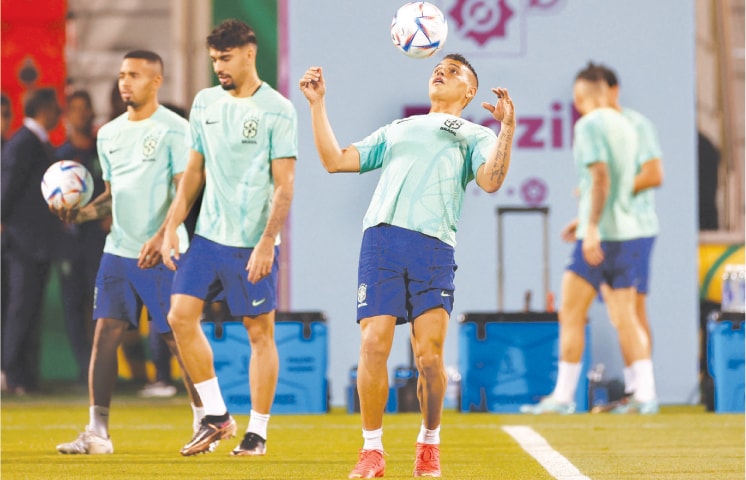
{"x": 407, "y": 268}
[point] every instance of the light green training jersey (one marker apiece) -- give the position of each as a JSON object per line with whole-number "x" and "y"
{"x": 426, "y": 161}
{"x": 649, "y": 148}
{"x": 239, "y": 138}
{"x": 604, "y": 135}
{"x": 139, "y": 160}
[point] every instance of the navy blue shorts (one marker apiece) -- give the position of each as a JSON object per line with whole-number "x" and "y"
{"x": 122, "y": 288}
{"x": 620, "y": 268}
{"x": 211, "y": 271}
{"x": 646, "y": 251}
{"x": 403, "y": 273}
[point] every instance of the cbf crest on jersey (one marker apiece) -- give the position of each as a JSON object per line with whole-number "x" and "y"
{"x": 451, "y": 125}
{"x": 250, "y": 129}
{"x": 149, "y": 146}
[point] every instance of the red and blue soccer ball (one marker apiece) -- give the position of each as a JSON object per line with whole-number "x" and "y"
{"x": 67, "y": 184}
{"x": 419, "y": 29}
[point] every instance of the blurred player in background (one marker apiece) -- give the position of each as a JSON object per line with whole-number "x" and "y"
{"x": 407, "y": 267}
{"x": 142, "y": 154}
{"x": 607, "y": 249}
{"x": 244, "y": 144}
{"x": 649, "y": 176}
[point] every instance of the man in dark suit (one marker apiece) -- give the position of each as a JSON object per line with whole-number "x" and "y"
{"x": 7, "y": 116}
{"x": 29, "y": 234}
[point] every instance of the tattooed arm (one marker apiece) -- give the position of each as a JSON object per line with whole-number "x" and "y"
{"x": 491, "y": 175}
{"x": 97, "y": 209}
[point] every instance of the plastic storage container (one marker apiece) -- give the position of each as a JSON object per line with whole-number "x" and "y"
{"x": 302, "y": 385}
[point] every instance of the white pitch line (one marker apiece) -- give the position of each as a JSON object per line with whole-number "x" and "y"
{"x": 536, "y": 446}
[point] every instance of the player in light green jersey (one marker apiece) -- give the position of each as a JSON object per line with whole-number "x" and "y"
{"x": 243, "y": 139}
{"x": 142, "y": 154}
{"x": 407, "y": 264}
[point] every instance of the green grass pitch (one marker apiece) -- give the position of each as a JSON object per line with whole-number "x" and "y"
{"x": 679, "y": 443}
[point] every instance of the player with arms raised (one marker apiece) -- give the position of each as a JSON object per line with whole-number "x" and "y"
{"x": 407, "y": 265}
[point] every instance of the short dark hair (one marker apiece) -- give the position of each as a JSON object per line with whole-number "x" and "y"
{"x": 38, "y": 100}
{"x": 229, "y": 34}
{"x": 81, "y": 94}
{"x": 147, "y": 55}
{"x": 461, "y": 59}
{"x": 609, "y": 75}
{"x": 591, "y": 73}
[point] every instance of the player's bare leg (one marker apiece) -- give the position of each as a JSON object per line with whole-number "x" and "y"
{"x": 102, "y": 377}
{"x": 198, "y": 410}
{"x": 263, "y": 371}
{"x": 428, "y": 336}
{"x": 377, "y": 336}
{"x": 197, "y": 358}
{"x": 577, "y": 296}
{"x": 621, "y": 304}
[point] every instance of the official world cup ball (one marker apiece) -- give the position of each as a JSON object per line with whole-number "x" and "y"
{"x": 67, "y": 184}
{"x": 419, "y": 29}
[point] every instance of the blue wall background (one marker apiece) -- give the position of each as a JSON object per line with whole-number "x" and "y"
{"x": 534, "y": 48}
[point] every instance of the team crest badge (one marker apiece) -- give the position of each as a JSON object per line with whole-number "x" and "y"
{"x": 250, "y": 128}
{"x": 149, "y": 146}
{"x": 453, "y": 124}
{"x": 362, "y": 293}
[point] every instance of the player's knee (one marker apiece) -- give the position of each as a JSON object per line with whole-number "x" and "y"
{"x": 260, "y": 339}
{"x": 175, "y": 321}
{"x": 430, "y": 365}
{"x": 373, "y": 352}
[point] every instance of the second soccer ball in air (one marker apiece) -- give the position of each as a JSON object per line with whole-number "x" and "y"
{"x": 419, "y": 29}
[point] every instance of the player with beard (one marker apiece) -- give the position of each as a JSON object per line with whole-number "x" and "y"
{"x": 243, "y": 148}
{"x": 142, "y": 154}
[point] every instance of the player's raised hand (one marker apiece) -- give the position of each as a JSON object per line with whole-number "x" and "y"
{"x": 312, "y": 84}
{"x": 503, "y": 110}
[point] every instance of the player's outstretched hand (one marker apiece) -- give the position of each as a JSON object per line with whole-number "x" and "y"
{"x": 150, "y": 253}
{"x": 312, "y": 84}
{"x": 503, "y": 110}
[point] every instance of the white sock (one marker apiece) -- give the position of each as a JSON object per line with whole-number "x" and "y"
{"x": 629, "y": 380}
{"x": 430, "y": 437}
{"x": 198, "y": 414}
{"x": 373, "y": 439}
{"x": 258, "y": 424}
{"x": 98, "y": 420}
{"x": 644, "y": 380}
{"x": 568, "y": 375}
{"x": 212, "y": 400}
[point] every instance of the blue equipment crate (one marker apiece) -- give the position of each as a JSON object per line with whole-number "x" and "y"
{"x": 725, "y": 360}
{"x": 353, "y": 400}
{"x": 302, "y": 385}
{"x": 510, "y": 359}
